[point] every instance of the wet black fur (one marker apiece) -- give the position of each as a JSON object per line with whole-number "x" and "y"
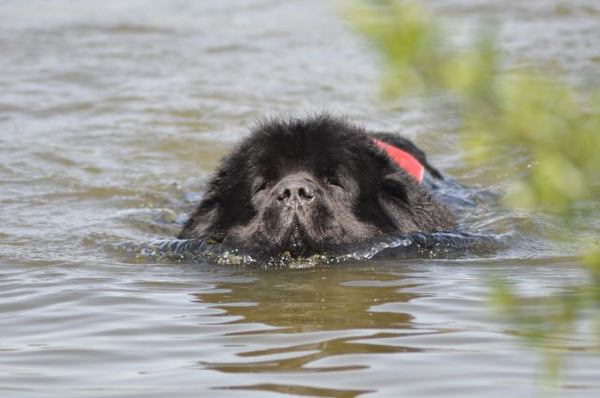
{"x": 358, "y": 194}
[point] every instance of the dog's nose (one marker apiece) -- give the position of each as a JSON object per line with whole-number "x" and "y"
{"x": 295, "y": 192}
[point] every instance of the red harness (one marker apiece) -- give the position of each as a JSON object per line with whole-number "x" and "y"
{"x": 405, "y": 160}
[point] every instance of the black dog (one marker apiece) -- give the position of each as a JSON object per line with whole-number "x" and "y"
{"x": 316, "y": 185}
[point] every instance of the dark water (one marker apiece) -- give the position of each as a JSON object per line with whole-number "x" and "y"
{"x": 112, "y": 116}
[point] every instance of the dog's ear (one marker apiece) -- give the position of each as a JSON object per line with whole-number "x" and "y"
{"x": 220, "y": 206}
{"x": 395, "y": 185}
{"x": 198, "y": 224}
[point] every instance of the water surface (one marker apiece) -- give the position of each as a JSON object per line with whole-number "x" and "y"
{"x": 112, "y": 117}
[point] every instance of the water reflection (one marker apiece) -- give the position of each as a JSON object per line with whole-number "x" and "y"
{"x": 322, "y": 298}
{"x": 312, "y": 314}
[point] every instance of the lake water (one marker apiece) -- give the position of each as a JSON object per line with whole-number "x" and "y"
{"x": 112, "y": 116}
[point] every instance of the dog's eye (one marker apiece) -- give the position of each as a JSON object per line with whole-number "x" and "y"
{"x": 332, "y": 180}
{"x": 261, "y": 185}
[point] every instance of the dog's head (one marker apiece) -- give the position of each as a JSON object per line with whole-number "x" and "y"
{"x": 309, "y": 186}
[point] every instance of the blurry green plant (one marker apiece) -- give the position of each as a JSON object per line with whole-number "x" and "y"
{"x": 536, "y": 113}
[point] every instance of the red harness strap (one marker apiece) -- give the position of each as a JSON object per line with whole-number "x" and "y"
{"x": 405, "y": 160}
